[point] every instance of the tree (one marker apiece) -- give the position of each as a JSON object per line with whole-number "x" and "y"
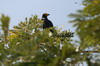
{"x": 29, "y": 45}
{"x": 87, "y": 22}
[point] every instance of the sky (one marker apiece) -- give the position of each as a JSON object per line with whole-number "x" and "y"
{"x": 58, "y": 10}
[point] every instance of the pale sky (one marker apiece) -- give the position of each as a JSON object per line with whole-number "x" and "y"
{"x": 58, "y": 10}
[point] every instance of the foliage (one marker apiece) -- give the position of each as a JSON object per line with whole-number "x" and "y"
{"x": 87, "y": 22}
{"x": 5, "y": 24}
{"x": 29, "y": 45}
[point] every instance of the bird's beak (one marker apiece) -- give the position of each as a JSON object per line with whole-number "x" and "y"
{"x": 47, "y": 14}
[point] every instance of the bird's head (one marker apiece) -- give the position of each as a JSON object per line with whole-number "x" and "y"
{"x": 45, "y": 15}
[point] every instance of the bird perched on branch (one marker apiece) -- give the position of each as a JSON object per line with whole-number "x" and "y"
{"x": 47, "y": 23}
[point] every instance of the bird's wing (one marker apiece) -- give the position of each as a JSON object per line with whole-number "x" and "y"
{"x": 50, "y": 24}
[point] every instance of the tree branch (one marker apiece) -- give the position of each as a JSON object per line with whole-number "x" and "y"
{"x": 89, "y": 51}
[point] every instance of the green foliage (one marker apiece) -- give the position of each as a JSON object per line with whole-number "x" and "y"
{"x": 5, "y": 25}
{"x": 29, "y": 45}
{"x": 87, "y": 22}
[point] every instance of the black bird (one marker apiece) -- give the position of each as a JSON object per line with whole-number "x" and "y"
{"x": 47, "y": 23}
